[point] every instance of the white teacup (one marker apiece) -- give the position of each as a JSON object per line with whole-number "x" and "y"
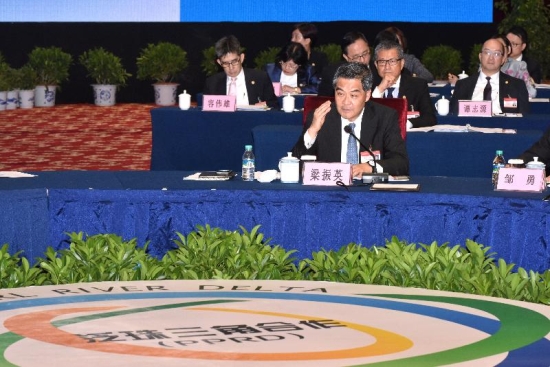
{"x": 288, "y": 103}
{"x": 442, "y": 106}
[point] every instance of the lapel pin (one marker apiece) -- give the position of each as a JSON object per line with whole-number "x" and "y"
{"x": 253, "y": 82}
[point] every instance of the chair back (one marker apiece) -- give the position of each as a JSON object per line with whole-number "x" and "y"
{"x": 398, "y": 104}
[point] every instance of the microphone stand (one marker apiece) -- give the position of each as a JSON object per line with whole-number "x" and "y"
{"x": 374, "y": 177}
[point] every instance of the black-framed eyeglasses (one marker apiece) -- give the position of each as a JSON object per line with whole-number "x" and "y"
{"x": 363, "y": 56}
{"x": 391, "y": 62}
{"x": 233, "y": 62}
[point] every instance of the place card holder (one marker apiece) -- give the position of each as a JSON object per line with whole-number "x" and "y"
{"x": 475, "y": 108}
{"x": 326, "y": 174}
{"x": 521, "y": 179}
{"x": 221, "y": 103}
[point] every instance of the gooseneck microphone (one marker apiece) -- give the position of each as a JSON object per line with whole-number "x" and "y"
{"x": 375, "y": 176}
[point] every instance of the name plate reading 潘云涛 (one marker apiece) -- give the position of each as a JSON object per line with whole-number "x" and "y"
{"x": 218, "y": 103}
{"x": 521, "y": 179}
{"x": 475, "y": 108}
{"x": 326, "y": 174}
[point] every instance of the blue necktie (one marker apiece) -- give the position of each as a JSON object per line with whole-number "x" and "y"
{"x": 352, "y": 156}
{"x": 390, "y": 92}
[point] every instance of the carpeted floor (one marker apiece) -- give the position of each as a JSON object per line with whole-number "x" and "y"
{"x": 76, "y": 137}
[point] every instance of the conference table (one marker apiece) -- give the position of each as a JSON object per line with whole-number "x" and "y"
{"x": 153, "y": 206}
{"x": 197, "y": 140}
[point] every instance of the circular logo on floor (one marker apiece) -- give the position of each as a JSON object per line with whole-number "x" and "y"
{"x": 268, "y": 323}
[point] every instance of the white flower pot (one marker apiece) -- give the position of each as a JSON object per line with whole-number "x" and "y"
{"x": 12, "y": 99}
{"x": 3, "y": 98}
{"x": 165, "y": 94}
{"x": 104, "y": 94}
{"x": 26, "y": 98}
{"x": 44, "y": 96}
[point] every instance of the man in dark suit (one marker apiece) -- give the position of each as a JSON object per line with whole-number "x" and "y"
{"x": 250, "y": 86}
{"x": 394, "y": 83}
{"x": 519, "y": 41}
{"x": 490, "y": 83}
{"x": 540, "y": 149}
{"x": 376, "y": 126}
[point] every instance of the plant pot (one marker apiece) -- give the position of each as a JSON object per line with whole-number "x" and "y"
{"x": 165, "y": 93}
{"x": 104, "y": 94}
{"x": 44, "y": 96}
{"x": 26, "y": 98}
{"x": 12, "y": 99}
{"x": 3, "y": 97}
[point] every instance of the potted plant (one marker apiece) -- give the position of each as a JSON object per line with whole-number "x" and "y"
{"x": 108, "y": 73}
{"x": 162, "y": 62}
{"x": 51, "y": 65}
{"x": 25, "y": 80}
{"x": 4, "y": 84}
{"x": 441, "y": 60}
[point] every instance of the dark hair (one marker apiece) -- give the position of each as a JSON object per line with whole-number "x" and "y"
{"x": 520, "y": 32}
{"x": 389, "y": 45}
{"x": 308, "y": 30}
{"x": 227, "y": 45}
{"x": 349, "y": 38}
{"x": 507, "y": 43}
{"x": 385, "y": 35}
{"x": 354, "y": 70}
{"x": 292, "y": 51}
{"x": 401, "y": 39}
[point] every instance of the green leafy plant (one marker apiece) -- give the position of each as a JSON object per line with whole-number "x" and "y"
{"x": 265, "y": 57}
{"x": 333, "y": 52}
{"x": 441, "y": 60}
{"x": 208, "y": 63}
{"x": 24, "y": 78}
{"x": 104, "y": 67}
{"x": 51, "y": 64}
{"x": 15, "y": 271}
{"x": 4, "y": 74}
{"x": 161, "y": 62}
{"x": 474, "y": 59}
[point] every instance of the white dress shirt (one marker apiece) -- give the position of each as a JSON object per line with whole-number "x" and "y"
{"x": 480, "y": 87}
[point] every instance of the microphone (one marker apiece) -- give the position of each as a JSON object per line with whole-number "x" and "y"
{"x": 368, "y": 177}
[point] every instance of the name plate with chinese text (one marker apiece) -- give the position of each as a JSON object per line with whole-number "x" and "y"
{"x": 475, "y": 108}
{"x": 218, "y": 103}
{"x": 521, "y": 179}
{"x": 326, "y": 174}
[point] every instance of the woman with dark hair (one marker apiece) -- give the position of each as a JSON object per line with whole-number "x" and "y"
{"x": 292, "y": 70}
{"x": 306, "y": 35}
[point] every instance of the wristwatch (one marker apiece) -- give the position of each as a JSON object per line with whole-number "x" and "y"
{"x": 295, "y": 90}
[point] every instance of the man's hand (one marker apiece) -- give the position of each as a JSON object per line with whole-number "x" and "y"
{"x": 357, "y": 170}
{"x": 319, "y": 119}
{"x": 386, "y": 82}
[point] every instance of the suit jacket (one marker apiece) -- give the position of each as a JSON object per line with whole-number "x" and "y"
{"x": 325, "y": 86}
{"x": 318, "y": 60}
{"x": 379, "y": 130}
{"x": 307, "y": 80}
{"x": 533, "y": 67}
{"x": 418, "y": 97}
{"x": 258, "y": 86}
{"x": 540, "y": 149}
{"x": 508, "y": 86}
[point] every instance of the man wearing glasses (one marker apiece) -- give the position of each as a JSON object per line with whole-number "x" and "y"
{"x": 389, "y": 61}
{"x": 508, "y": 94}
{"x": 518, "y": 38}
{"x": 249, "y": 86}
{"x": 355, "y": 48}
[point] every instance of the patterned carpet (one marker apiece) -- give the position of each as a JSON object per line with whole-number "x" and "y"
{"x": 76, "y": 137}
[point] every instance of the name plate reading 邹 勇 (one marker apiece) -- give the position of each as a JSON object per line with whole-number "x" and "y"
{"x": 475, "y": 108}
{"x": 218, "y": 103}
{"x": 521, "y": 179}
{"x": 326, "y": 174}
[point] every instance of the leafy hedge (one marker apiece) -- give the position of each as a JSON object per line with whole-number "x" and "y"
{"x": 213, "y": 253}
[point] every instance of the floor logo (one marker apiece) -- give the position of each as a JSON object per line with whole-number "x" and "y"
{"x": 268, "y": 323}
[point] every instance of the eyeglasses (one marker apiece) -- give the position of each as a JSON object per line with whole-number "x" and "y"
{"x": 234, "y": 62}
{"x": 363, "y": 56}
{"x": 391, "y": 62}
{"x": 290, "y": 66}
{"x": 515, "y": 44}
{"x": 489, "y": 53}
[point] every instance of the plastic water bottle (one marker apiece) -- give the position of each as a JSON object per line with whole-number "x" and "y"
{"x": 249, "y": 164}
{"x": 498, "y": 163}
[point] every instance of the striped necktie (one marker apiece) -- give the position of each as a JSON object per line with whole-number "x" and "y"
{"x": 352, "y": 156}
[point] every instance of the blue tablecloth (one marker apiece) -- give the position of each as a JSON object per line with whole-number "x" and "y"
{"x": 153, "y": 206}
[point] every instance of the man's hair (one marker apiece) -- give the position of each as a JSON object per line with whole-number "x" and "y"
{"x": 308, "y": 30}
{"x": 227, "y": 45}
{"x": 520, "y": 32}
{"x": 385, "y": 35}
{"x": 507, "y": 43}
{"x": 349, "y": 38}
{"x": 354, "y": 70}
{"x": 389, "y": 45}
{"x": 292, "y": 51}
{"x": 401, "y": 39}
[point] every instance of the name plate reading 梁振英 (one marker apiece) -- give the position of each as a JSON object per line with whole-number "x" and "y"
{"x": 521, "y": 179}
{"x": 475, "y": 108}
{"x": 326, "y": 174}
{"x": 218, "y": 103}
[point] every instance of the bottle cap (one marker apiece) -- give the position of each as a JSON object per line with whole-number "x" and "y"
{"x": 499, "y": 152}
{"x": 248, "y": 147}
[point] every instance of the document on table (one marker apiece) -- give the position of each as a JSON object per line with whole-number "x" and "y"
{"x": 251, "y": 108}
{"x": 15, "y": 174}
{"x": 463, "y": 129}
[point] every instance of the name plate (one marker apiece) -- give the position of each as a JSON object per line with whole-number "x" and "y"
{"x": 521, "y": 179}
{"x": 475, "y": 108}
{"x": 218, "y": 103}
{"x": 277, "y": 88}
{"x": 326, "y": 174}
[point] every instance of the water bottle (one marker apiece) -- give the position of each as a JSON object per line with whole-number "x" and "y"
{"x": 498, "y": 163}
{"x": 248, "y": 164}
